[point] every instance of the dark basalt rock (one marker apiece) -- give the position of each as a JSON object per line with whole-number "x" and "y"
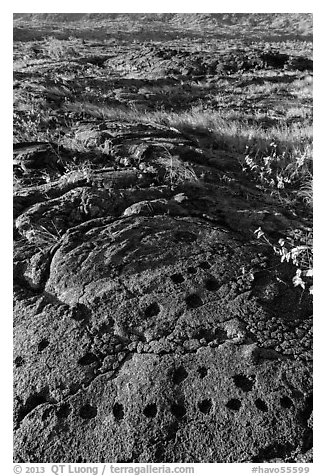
{"x": 114, "y": 335}
{"x": 149, "y": 326}
{"x": 36, "y": 155}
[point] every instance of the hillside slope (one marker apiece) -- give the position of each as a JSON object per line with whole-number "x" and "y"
{"x": 278, "y": 23}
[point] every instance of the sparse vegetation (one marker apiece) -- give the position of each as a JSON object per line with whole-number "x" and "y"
{"x": 45, "y": 238}
{"x": 56, "y": 49}
{"x": 278, "y": 157}
{"x": 296, "y": 249}
{"x": 260, "y": 114}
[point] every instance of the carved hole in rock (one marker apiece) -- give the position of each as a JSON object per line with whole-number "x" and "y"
{"x": 63, "y": 411}
{"x": 179, "y": 375}
{"x": 184, "y": 236}
{"x": 19, "y": 361}
{"x": 286, "y": 402}
{"x": 211, "y": 284}
{"x": 76, "y": 316}
{"x": 177, "y": 278}
{"x": 233, "y": 404}
{"x": 178, "y": 410}
{"x": 275, "y": 450}
{"x": 204, "y": 265}
{"x": 42, "y": 345}
{"x": 261, "y": 405}
{"x": 191, "y": 270}
{"x": 152, "y": 310}
{"x": 118, "y": 411}
{"x": 88, "y": 359}
{"x": 79, "y": 312}
{"x": 150, "y": 410}
{"x": 244, "y": 382}
{"x": 202, "y": 372}
{"x": 193, "y": 301}
{"x": 205, "y": 406}
{"x": 87, "y": 412}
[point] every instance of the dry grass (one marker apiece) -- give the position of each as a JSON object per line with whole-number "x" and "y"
{"x": 57, "y": 49}
{"x": 284, "y": 151}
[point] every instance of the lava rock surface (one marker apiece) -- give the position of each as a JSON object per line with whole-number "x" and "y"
{"x": 148, "y": 325}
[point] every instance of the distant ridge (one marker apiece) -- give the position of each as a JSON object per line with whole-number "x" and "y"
{"x": 290, "y": 23}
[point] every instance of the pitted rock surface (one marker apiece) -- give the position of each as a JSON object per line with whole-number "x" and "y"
{"x": 181, "y": 408}
{"x": 149, "y": 326}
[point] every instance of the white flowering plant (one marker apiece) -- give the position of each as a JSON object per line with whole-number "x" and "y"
{"x": 296, "y": 249}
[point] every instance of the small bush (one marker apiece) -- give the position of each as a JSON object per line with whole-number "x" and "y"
{"x": 59, "y": 49}
{"x": 298, "y": 250}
